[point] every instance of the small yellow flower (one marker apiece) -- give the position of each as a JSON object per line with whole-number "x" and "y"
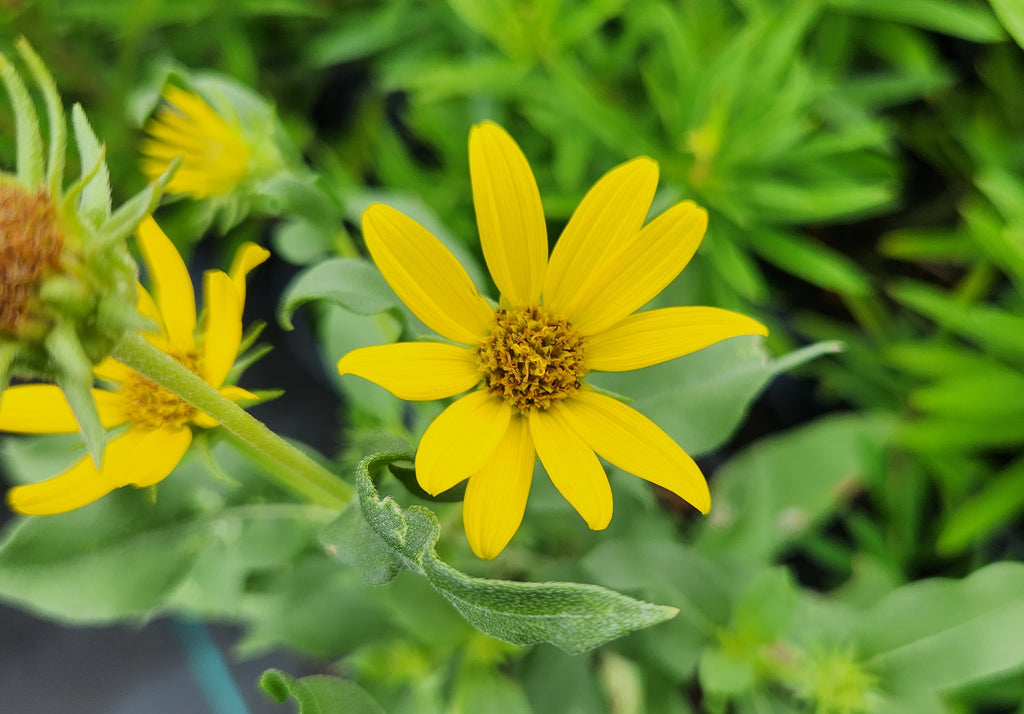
{"x": 215, "y": 153}
{"x": 557, "y": 320}
{"x": 159, "y": 423}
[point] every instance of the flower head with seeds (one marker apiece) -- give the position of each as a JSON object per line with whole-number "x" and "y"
{"x": 67, "y": 279}
{"x": 157, "y": 426}
{"x": 559, "y": 318}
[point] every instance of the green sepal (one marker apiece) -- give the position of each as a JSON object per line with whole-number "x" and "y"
{"x": 29, "y": 140}
{"x": 54, "y": 115}
{"x": 387, "y": 539}
{"x": 95, "y": 203}
{"x": 319, "y": 693}
{"x": 73, "y": 370}
{"x": 127, "y": 218}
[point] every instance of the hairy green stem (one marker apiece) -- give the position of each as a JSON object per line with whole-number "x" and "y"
{"x": 288, "y": 466}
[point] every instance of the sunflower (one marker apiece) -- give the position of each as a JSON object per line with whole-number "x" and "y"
{"x": 157, "y": 426}
{"x": 558, "y": 319}
{"x": 215, "y": 153}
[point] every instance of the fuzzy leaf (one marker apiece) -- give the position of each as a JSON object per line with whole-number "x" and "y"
{"x": 574, "y": 617}
{"x": 319, "y": 694}
{"x": 29, "y": 140}
{"x": 355, "y": 285}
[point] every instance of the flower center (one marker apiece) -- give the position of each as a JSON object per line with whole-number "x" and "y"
{"x": 30, "y": 243}
{"x": 150, "y": 406}
{"x": 532, "y": 359}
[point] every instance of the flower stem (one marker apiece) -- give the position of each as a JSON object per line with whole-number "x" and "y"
{"x": 288, "y": 466}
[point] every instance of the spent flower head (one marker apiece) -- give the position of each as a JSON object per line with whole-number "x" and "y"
{"x": 558, "y": 319}
{"x": 67, "y": 279}
{"x": 156, "y": 426}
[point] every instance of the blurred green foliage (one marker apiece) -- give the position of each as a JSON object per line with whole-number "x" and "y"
{"x": 863, "y": 166}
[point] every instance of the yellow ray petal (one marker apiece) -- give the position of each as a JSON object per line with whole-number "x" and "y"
{"x": 607, "y": 219}
{"x": 415, "y": 371}
{"x": 171, "y": 284}
{"x": 426, "y": 276}
{"x": 78, "y": 486}
{"x": 509, "y": 214}
{"x": 146, "y": 457}
{"x": 222, "y": 327}
{"x": 42, "y": 409}
{"x": 461, "y": 440}
{"x": 112, "y": 370}
{"x": 496, "y": 495}
{"x": 139, "y": 457}
{"x": 246, "y": 258}
{"x": 235, "y": 394}
{"x": 572, "y": 466}
{"x": 651, "y": 337}
{"x": 643, "y": 268}
{"x": 635, "y": 444}
{"x": 146, "y": 306}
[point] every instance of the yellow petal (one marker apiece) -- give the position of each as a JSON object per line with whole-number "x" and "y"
{"x": 79, "y": 486}
{"x": 643, "y": 268}
{"x": 42, "y": 409}
{"x": 147, "y": 457}
{"x": 634, "y": 443}
{"x": 651, "y": 337}
{"x": 509, "y": 214}
{"x": 496, "y": 495}
{"x": 572, "y": 466}
{"x": 171, "y": 284}
{"x": 222, "y": 327}
{"x": 246, "y": 258}
{"x": 112, "y": 370}
{"x": 426, "y": 276}
{"x": 235, "y": 394}
{"x": 461, "y": 440}
{"x": 139, "y": 457}
{"x": 415, "y": 371}
{"x": 607, "y": 219}
{"x": 148, "y": 309}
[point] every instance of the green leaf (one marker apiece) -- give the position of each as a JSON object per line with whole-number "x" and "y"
{"x": 953, "y": 17}
{"x": 938, "y": 635}
{"x": 29, "y": 140}
{"x": 987, "y": 326}
{"x": 354, "y": 284}
{"x": 301, "y": 242}
{"x": 780, "y": 487}
{"x": 1001, "y": 499}
{"x": 571, "y": 616}
{"x": 126, "y": 556}
{"x": 489, "y": 694}
{"x": 766, "y": 607}
{"x": 814, "y": 263}
{"x": 714, "y": 386}
{"x": 319, "y": 694}
{"x": 1011, "y": 14}
{"x": 991, "y": 393}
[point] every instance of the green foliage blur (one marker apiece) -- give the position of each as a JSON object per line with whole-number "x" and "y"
{"x": 863, "y": 165}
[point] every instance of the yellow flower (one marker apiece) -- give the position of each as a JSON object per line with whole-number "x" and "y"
{"x": 557, "y": 320}
{"x": 215, "y": 154}
{"x": 159, "y": 424}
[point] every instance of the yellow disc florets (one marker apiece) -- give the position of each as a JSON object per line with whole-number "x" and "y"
{"x": 30, "y": 247}
{"x": 150, "y": 406}
{"x": 532, "y": 359}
